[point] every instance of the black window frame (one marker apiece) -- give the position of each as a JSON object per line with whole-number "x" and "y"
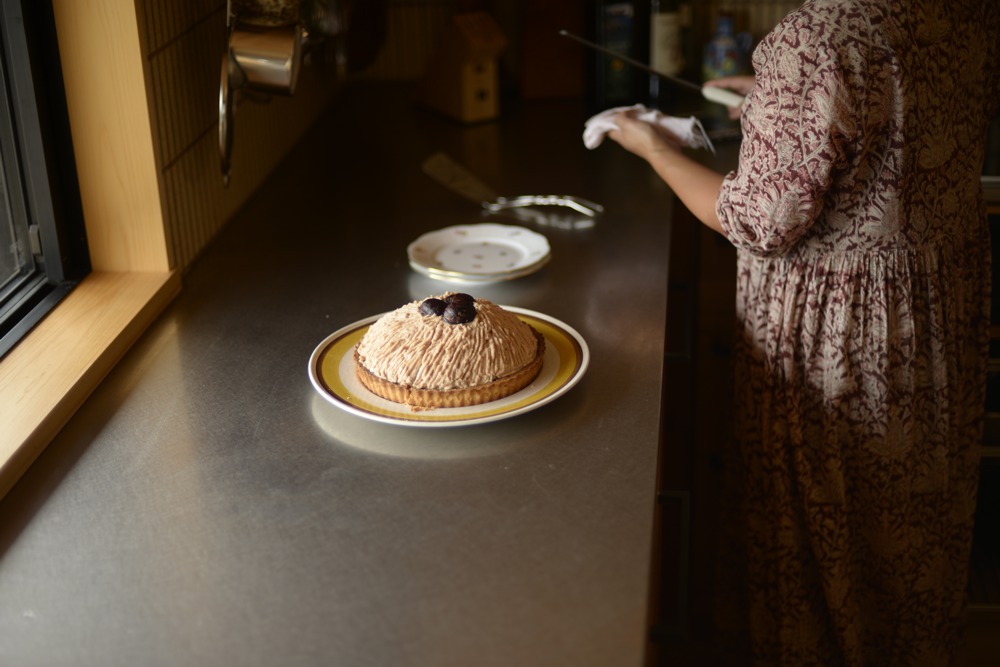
{"x": 39, "y": 167}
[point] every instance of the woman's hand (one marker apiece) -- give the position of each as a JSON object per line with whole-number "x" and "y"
{"x": 694, "y": 183}
{"x": 739, "y": 84}
{"x": 642, "y": 138}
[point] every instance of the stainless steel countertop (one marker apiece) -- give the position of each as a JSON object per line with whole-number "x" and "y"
{"x": 206, "y": 507}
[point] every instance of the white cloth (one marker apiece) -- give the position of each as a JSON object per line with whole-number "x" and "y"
{"x": 685, "y": 131}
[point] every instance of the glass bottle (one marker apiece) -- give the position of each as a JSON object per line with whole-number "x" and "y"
{"x": 726, "y": 53}
{"x": 666, "y": 47}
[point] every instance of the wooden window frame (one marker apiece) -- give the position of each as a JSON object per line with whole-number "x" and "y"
{"x": 52, "y": 371}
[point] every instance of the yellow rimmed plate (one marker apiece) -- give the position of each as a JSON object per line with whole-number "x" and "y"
{"x": 331, "y": 371}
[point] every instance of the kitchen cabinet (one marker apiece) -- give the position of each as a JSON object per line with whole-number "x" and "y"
{"x": 984, "y": 575}
{"x": 697, "y": 424}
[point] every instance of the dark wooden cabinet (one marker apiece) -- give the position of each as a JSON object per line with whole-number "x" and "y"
{"x": 984, "y": 573}
{"x": 697, "y": 423}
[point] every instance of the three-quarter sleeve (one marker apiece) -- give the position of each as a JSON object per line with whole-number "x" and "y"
{"x": 796, "y": 122}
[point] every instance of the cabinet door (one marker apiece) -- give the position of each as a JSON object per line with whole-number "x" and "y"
{"x": 697, "y": 425}
{"x": 984, "y": 573}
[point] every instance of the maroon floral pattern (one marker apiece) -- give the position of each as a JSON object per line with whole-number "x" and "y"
{"x": 863, "y": 305}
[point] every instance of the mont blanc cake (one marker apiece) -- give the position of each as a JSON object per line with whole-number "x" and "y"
{"x": 448, "y": 351}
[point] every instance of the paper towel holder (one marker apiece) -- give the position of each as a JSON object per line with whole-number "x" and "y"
{"x": 263, "y": 54}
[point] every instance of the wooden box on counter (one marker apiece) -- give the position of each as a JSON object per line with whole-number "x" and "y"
{"x": 462, "y": 79}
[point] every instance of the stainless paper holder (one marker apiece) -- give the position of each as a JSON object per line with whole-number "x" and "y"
{"x": 264, "y": 59}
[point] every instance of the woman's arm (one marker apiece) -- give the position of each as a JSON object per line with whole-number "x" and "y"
{"x": 696, "y": 185}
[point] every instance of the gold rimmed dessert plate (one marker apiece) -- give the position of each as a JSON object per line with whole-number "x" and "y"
{"x": 480, "y": 253}
{"x": 331, "y": 371}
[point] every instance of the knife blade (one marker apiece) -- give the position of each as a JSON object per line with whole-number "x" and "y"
{"x": 458, "y": 179}
{"x": 718, "y": 95}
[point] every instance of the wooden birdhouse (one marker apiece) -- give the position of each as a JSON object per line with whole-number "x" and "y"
{"x": 462, "y": 79}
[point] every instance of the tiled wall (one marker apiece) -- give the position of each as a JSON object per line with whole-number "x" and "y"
{"x": 414, "y": 28}
{"x": 183, "y": 43}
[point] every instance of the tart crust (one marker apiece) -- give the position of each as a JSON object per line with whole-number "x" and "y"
{"x": 417, "y": 397}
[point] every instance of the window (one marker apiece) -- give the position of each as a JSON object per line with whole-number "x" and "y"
{"x": 43, "y": 250}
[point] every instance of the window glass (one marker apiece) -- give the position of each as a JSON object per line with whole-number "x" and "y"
{"x": 14, "y": 257}
{"x": 42, "y": 245}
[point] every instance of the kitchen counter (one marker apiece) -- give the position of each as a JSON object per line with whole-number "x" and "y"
{"x": 206, "y": 506}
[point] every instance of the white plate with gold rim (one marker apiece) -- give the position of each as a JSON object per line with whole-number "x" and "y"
{"x": 332, "y": 373}
{"x": 481, "y": 253}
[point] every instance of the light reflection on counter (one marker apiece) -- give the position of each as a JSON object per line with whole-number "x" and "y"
{"x": 388, "y": 440}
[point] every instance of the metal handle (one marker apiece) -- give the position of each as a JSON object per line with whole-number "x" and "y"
{"x": 226, "y": 111}
{"x": 722, "y": 96}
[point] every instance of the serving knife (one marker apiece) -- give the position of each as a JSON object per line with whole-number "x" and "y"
{"x": 457, "y": 178}
{"x": 710, "y": 93}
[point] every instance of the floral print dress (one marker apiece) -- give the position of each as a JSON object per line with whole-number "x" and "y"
{"x": 863, "y": 303}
